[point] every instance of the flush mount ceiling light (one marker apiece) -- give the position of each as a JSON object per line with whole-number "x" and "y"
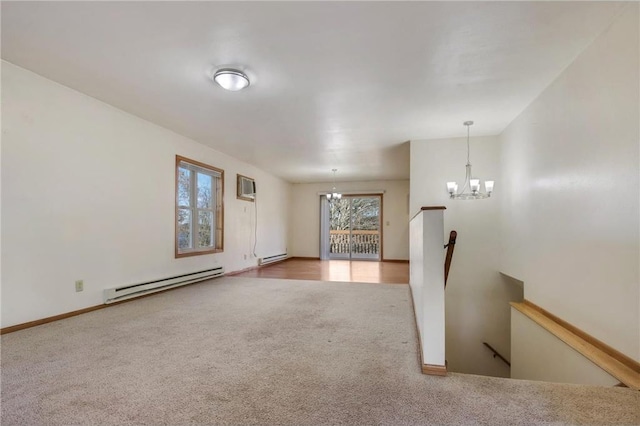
{"x": 471, "y": 188}
{"x": 334, "y": 194}
{"x": 231, "y": 79}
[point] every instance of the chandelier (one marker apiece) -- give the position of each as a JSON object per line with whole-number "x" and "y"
{"x": 334, "y": 194}
{"x": 471, "y": 188}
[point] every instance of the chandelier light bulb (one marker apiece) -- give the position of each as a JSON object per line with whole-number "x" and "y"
{"x": 488, "y": 186}
{"x": 475, "y": 185}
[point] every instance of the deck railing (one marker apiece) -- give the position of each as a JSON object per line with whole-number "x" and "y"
{"x": 362, "y": 242}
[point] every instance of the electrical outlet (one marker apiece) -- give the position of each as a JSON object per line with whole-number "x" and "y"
{"x": 79, "y": 285}
{"x": 245, "y": 257}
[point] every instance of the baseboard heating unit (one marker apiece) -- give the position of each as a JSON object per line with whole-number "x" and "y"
{"x": 134, "y": 290}
{"x": 271, "y": 259}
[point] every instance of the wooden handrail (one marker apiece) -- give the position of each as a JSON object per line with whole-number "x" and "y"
{"x": 496, "y": 353}
{"x": 617, "y": 364}
{"x": 447, "y": 261}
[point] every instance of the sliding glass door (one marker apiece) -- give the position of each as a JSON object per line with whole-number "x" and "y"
{"x": 352, "y": 228}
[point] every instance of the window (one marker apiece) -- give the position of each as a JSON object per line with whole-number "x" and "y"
{"x": 199, "y": 215}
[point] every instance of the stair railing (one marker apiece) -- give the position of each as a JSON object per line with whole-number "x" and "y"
{"x": 447, "y": 261}
{"x": 496, "y": 353}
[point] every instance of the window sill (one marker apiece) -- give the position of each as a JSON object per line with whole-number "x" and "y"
{"x": 198, "y": 253}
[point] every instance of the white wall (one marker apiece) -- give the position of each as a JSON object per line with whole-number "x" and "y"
{"x": 305, "y": 220}
{"x": 88, "y": 193}
{"x": 570, "y": 197}
{"x": 477, "y": 296}
{"x": 427, "y": 284}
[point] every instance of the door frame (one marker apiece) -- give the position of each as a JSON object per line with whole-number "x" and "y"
{"x": 324, "y": 225}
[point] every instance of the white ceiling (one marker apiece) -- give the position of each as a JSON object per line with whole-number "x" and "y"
{"x": 333, "y": 84}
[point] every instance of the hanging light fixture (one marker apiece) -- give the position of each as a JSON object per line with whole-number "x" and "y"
{"x": 471, "y": 188}
{"x": 231, "y": 79}
{"x": 334, "y": 194}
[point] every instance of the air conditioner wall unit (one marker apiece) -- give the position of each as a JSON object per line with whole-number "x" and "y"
{"x": 246, "y": 188}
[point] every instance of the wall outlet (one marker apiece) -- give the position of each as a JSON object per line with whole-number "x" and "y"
{"x": 245, "y": 257}
{"x": 79, "y": 285}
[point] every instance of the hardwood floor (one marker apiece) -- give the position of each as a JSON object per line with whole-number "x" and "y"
{"x": 334, "y": 270}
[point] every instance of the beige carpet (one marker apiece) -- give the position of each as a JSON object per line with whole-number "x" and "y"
{"x": 264, "y": 351}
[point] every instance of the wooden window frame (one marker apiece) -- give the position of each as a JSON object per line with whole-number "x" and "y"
{"x": 218, "y": 210}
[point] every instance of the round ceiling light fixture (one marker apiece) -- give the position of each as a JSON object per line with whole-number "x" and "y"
{"x": 231, "y": 79}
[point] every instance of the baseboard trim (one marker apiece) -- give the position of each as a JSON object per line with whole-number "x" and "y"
{"x": 434, "y": 370}
{"x": 252, "y": 268}
{"x": 25, "y": 325}
{"x": 395, "y": 260}
{"x": 47, "y": 320}
{"x": 428, "y": 369}
{"x": 240, "y": 271}
{"x": 304, "y": 258}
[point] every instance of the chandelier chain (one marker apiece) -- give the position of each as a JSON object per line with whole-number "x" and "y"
{"x": 334, "y": 194}
{"x": 468, "y": 125}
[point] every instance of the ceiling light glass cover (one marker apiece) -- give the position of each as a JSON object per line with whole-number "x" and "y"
{"x": 471, "y": 188}
{"x": 231, "y": 79}
{"x": 334, "y": 194}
